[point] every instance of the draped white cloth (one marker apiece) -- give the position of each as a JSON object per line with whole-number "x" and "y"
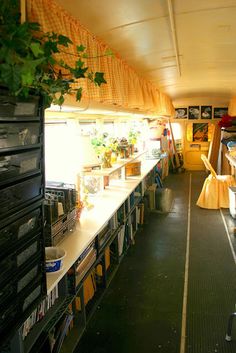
{"x": 215, "y": 190}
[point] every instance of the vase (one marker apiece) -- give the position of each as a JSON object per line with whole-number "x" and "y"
{"x": 114, "y": 157}
{"x": 106, "y": 159}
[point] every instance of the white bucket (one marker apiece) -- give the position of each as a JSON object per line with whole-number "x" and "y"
{"x": 54, "y": 258}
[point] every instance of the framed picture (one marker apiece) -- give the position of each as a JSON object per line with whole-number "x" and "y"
{"x": 181, "y": 113}
{"x": 200, "y": 132}
{"x": 206, "y": 112}
{"x": 194, "y": 112}
{"x": 219, "y": 112}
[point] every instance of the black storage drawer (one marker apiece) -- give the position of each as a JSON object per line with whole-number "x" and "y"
{"x": 21, "y": 281}
{"x": 15, "y": 109}
{"x": 7, "y": 319}
{"x": 20, "y": 194}
{"x": 21, "y": 227}
{"x": 14, "y": 314}
{"x": 19, "y": 165}
{"x": 22, "y": 185}
{"x": 19, "y": 134}
{"x": 17, "y": 260}
{"x": 34, "y": 293}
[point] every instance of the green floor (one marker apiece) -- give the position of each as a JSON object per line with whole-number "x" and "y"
{"x": 141, "y": 311}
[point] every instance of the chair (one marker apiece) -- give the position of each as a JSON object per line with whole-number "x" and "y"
{"x": 215, "y": 190}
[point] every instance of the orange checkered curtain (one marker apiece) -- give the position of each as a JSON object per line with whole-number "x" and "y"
{"x": 124, "y": 88}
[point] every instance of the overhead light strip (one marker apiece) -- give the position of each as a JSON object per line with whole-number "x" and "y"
{"x": 173, "y": 32}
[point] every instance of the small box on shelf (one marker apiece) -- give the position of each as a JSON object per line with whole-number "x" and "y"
{"x": 133, "y": 168}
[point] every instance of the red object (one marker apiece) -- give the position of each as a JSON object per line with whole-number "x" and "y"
{"x": 227, "y": 121}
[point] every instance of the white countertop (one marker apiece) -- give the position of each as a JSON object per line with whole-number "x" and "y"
{"x": 92, "y": 221}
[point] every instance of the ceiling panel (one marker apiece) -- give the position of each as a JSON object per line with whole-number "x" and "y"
{"x": 105, "y": 15}
{"x": 140, "y": 31}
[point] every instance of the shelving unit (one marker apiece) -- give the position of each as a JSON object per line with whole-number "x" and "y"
{"x": 22, "y": 278}
{"x": 94, "y": 250}
{"x": 120, "y": 167}
{"x": 116, "y": 166}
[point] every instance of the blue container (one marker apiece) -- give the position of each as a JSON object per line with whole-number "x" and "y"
{"x": 54, "y": 258}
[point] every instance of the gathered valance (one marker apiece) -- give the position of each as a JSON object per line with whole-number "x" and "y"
{"x": 124, "y": 88}
{"x": 232, "y": 107}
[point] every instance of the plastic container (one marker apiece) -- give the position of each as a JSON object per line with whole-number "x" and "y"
{"x": 54, "y": 258}
{"x": 163, "y": 200}
{"x": 232, "y": 201}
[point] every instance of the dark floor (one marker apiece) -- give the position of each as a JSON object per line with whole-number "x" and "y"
{"x": 141, "y": 311}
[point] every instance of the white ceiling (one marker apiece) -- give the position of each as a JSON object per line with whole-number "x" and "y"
{"x": 140, "y": 31}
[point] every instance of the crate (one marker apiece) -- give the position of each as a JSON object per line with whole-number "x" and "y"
{"x": 64, "y": 193}
{"x": 60, "y": 212}
{"x": 54, "y": 222}
{"x": 56, "y": 238}
{"x": 56, "y": 232}
{"x": 20, "y": 194}
{"x": 19, "y": 164}
{"x": 51, "y": 211}
{"x": 20, "y": 227}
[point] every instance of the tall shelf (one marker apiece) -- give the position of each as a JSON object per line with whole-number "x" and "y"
{"x": 22, "y": 278}
{"x": 94, "y": 250}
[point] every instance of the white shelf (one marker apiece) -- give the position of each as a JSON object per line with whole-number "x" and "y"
{"x": 121, "y": 163}
{"x": 93, "y": 220}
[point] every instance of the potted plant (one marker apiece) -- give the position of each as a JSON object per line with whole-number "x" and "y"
{"x": 123, "y": 148}
{"x": 29, "y": 60}
{"x": 113, "y": 144}
{"x": 132, "y": 139}
{"x": 103, "y": 149}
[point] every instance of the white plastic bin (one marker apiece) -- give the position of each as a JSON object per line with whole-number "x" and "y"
{"x": 232, "y": 201}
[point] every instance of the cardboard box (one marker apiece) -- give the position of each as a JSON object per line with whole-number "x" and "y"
{"x": 133, "y": 168}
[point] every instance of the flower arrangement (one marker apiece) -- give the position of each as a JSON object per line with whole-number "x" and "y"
{"x": 113, "y": 144}
{"x": 104, "y": 143}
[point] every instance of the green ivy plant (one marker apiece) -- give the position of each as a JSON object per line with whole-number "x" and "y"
{"x": 28, "y": 61}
